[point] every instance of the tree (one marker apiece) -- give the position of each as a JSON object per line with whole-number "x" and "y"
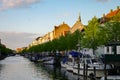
{"x": 92, "y": 35}
{"x": 111, "y": 29}
{"x": 4, "y": 51}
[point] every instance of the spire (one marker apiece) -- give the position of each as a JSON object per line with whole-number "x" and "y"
{"x": 79, "y": 18}
{"x": 63, "y": 22}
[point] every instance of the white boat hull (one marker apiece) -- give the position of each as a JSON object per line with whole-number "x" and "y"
{"x": 99, "y": 72}
{"x": 112, "y": 77}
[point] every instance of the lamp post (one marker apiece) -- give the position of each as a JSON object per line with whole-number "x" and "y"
{"x": 78, "y": 62}
{"x": 0, "y": 52}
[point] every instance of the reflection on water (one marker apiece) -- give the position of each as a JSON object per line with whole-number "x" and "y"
{"x": 56, "y": 73}
{"x": 19, "y": 68}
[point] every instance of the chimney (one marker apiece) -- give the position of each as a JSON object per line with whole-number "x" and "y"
{"x": 103, "y": 15}
{"x": 111, "y": 10}
{"x": 118, "y": 7}
{"x": 63, "y": 22}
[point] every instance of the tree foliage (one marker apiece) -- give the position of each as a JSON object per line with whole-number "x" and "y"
{"x": 4, "y": 51}
{"x": 92, "y": 35}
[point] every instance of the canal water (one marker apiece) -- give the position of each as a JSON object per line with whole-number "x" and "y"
{"x": 20, "y": 68}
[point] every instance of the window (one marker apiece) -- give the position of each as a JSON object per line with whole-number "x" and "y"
{"x": 113, "y": 49}
{"x": 107, "y": 49}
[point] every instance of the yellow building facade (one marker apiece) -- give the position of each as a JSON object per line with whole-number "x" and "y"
{"x": 60, "y": 30}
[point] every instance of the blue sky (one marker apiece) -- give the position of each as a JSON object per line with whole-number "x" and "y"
{"x": 40, "y": 16}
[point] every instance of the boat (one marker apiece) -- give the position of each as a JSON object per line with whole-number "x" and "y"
{"x": 112, "y": 77}
{"x": 64, "y": 62}
{"x": 49, "y": 60}
{"x": 69, "y": 61}
{"x": 92, "y": 66}
{"x": 69, "y": 65}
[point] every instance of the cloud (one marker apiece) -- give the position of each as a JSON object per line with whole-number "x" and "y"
{"x": 6, "y": 4}
{"x": 103, "y": 0}
{"x": 15, "y": 40}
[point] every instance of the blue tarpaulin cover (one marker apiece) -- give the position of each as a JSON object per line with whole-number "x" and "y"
{"x": 75, "y": 54}
{"x": 65, "y": 60}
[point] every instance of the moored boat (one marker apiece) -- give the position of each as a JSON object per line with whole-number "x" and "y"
{"x": 112, "y": 77}
{"x": 92, "y": 67}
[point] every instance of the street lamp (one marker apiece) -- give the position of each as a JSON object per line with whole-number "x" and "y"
{"x": 78, "y": 45}
{"x": 0, "y": 52}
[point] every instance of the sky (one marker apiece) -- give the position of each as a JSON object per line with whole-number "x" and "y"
{"x": 21, "y": 21}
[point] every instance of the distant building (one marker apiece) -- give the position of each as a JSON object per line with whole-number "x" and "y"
{"x": 51, "y": 36}
{"x": 39, "y": 41}
{"x": 20, "y": 49}
{"x": 77, "y": 26}
{"x": 47, "y": 37}
{"x": 60, "y": 30}
{"x": 35, "y": 42}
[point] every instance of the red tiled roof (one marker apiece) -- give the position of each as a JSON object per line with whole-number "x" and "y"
{"x": 112, "y": 13}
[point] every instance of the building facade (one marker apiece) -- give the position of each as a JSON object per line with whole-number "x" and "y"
{"x": 77, "y": 26}
{"x": 60, "y": 30}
